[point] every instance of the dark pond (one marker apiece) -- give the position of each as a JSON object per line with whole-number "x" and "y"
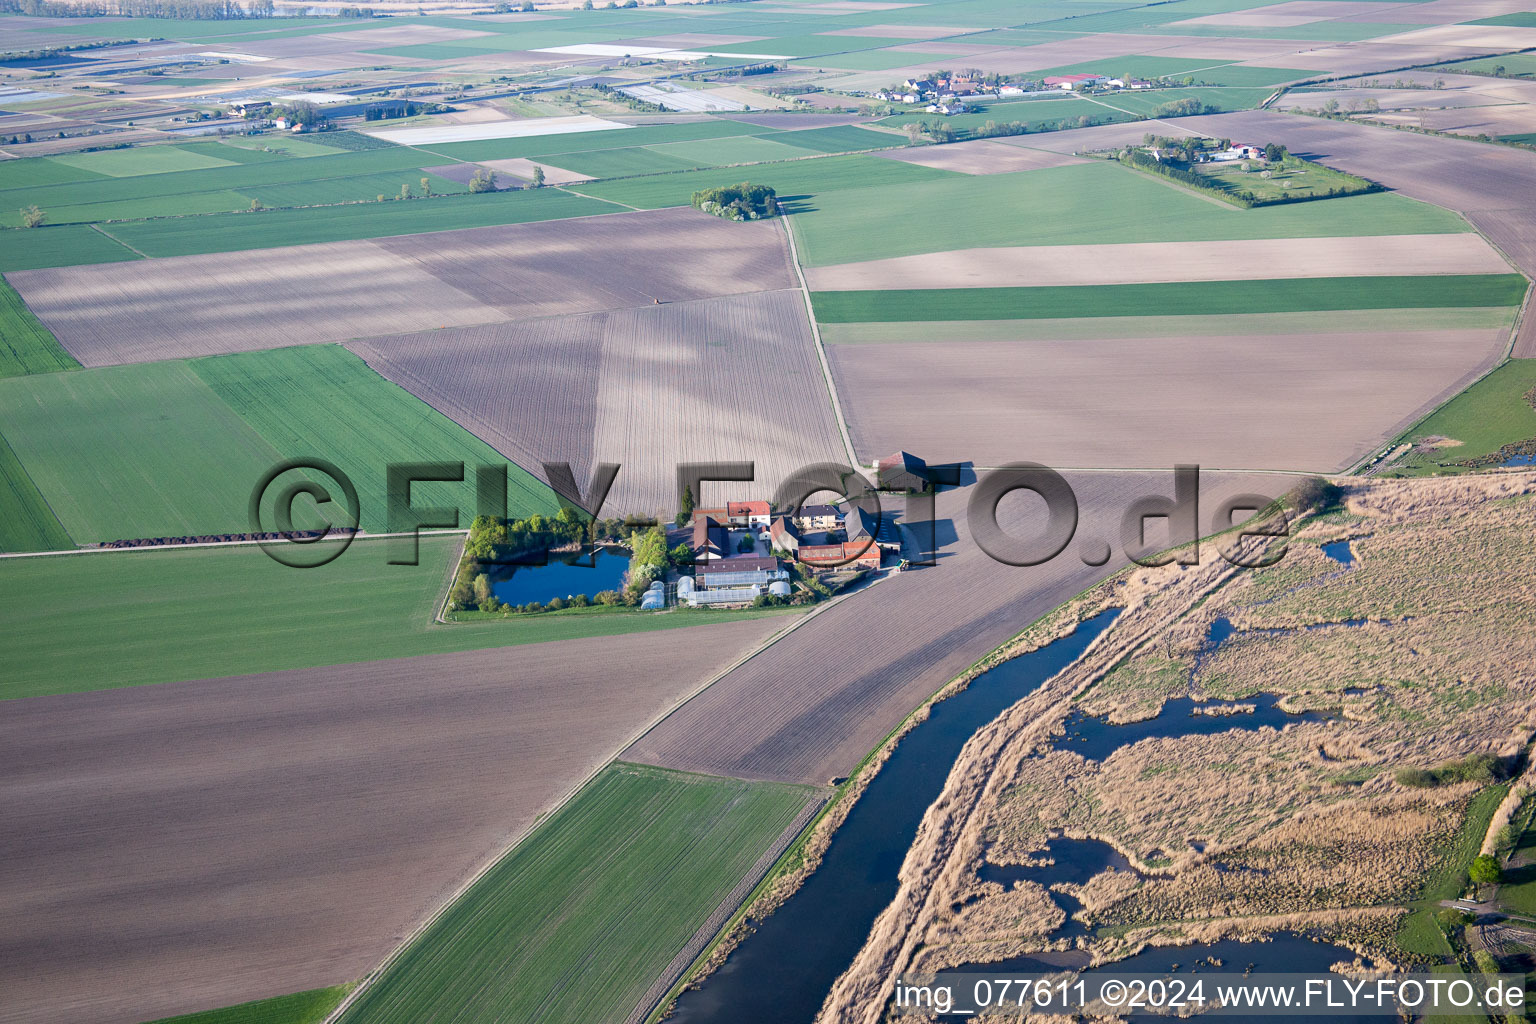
{"x": 1096, "y": 739}
{"x": 1339, "y": 551}
{"x": 1519, "y": 460}
{"x": 783, "y": 971}
{"x": 562, "y": 577}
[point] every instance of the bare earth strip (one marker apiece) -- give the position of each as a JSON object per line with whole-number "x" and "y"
{"x": 185, "y": 306}
{"x": 980, "y": 156}
{"x": 1313, "y": 402}
{"x": 1490, "y": 185}
{"x": 733, "y": 379}
{"x": 187, "y": 846}
{"x": 523, "y": 168}
{"x": 812, "y": 705}
{"x": 1148, "y": 262}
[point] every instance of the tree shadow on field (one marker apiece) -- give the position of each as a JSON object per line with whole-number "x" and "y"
{"x": 797, "y": 204}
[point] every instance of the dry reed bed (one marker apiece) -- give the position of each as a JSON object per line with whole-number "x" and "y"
{"x": 1239, "y": 833}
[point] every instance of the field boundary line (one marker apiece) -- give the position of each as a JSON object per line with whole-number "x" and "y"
{"x": 96, "y": 226}
{"x": 543, "y": 816}
{"x": 598, "y": 199}
{"x": 361, "y": 536}
{"x": 821, "y": 349}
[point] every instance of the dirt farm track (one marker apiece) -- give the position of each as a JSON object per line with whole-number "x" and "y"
{"x": 258, "y": 835}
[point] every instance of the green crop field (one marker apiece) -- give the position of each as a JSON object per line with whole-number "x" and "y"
{"x": 1191, "y": 298}
{"x": 63, "y": 246}
{"x": 112, "y": 194}
{"x": 26, "y": 521}
{"x": 745, "y": 149}
{"x": 360, "y": 188}
{"x": 1034, "y": 113}
{"x": 804, "y": 178}
{"x": 623, "y": 163}
{"x": 126, "y": 618}
{"x": 128, "y": 452}
{"x": 290, "y": 147}
{"x": 842, "y": 138}
{"x": 1083, "y": 203}
{"x": 323, "y": 400}
{"x": 30, "y": 173}
{"x": 870, "y": 60}
{"x": 578, "y": 920}
{"x": 1211, "y": 70}
{"x": 122, "y": 163}
{"x": 300, "y": 1008}
{"x": 1215, "y": 98}
{"x": 26, "y": 346}
{"x": 1496, "y": 411}
{"x": 185, "y": 236}
{"x": 1520, "y": 19}
{"x": 134, "y": 209}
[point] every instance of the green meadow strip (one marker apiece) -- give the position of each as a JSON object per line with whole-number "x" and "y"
{"x": 310, "y": 1007}
{"x": 1208, "y": 298}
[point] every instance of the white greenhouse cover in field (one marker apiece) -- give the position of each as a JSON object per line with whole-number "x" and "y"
{"x": 508, "y": 129}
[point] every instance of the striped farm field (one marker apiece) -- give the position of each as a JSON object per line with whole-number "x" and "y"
{"x": 744, "y": 366}
{"x": 794, "y": 178}
{"x": 231, "y": 232}
{"x": 133, "y": 451}
{"x": 152, "y": 615}
{"x": 1192, "y": 298}
{"x": 1078, "y": 204}
{"x": 578, "y": 920}
{"x": 26, "y": 521}
{"x": 26, "y": 346}
{"x": 322, "y": 399}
